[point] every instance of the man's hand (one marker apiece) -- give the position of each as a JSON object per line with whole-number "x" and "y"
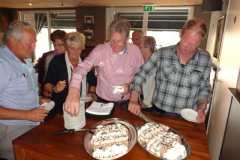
{"x": 201, "y": 114}
{"x": 72, "y": 103}
{"x": 134, "y": 108}
{"x": 126, "y": 89}
{"x": 36, "y": 114}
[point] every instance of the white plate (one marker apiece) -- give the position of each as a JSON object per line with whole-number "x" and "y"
{"x": 119, "y": 87}
{"x": 86, "y": 99}
{"x": 189, "y": 114}
{"x": 48, "y": 106}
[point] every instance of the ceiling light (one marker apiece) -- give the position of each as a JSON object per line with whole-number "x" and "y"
{"x": 62, "y": 4}
{"x": 30, "y": 4}
{"x": 80, "y": 3}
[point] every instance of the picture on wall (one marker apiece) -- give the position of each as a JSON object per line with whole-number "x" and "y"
{"x": 89, "y": 19}
{"x": 89, "y": 36}
{"x": 88, "y": 26}
{"x": 219, "y": 36}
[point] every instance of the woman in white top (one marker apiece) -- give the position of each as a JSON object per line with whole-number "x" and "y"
{"x": 147, "y": 46}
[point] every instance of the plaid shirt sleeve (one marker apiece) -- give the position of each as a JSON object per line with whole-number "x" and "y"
{"x": 144, "y": 72}
{"x": 205, "y": 91}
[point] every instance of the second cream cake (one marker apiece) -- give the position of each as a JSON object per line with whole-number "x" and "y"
{"x": 110, "y": 141}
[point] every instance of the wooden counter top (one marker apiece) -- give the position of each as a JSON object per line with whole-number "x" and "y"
{"x": 40, "y": 143}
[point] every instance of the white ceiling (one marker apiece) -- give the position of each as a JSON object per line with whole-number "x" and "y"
{"x": 24, "y": 4}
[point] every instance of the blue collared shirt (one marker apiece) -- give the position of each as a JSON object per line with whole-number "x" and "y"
{"x": 18, "y": 85}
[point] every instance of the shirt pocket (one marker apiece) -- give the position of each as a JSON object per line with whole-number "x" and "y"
{"x": 168, "y": 72}
{"x": 19, "y": 85}
{"x": 195, "y": 78}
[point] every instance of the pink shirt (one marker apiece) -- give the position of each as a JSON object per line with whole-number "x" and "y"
{"x": 113, "y": 69}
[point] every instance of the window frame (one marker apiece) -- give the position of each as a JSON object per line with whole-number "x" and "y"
{"x": 110, "y": 14}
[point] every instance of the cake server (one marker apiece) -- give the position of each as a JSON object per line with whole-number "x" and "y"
{"x": 147, "y": 119}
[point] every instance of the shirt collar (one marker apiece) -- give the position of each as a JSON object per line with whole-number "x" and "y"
{"x": 124, "y": 51}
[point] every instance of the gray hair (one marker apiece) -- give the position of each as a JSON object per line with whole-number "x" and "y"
{"x": 149, "y": 41}
{"x": 76, "y": 37}
{"x": 138, "y": 31}
{"x": 197, "y": 25}
{"x": 15, "y": 30}
{"x": 121, "y": 26}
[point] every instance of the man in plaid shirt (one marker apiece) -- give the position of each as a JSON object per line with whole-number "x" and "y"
{"x": 182, "y": 75}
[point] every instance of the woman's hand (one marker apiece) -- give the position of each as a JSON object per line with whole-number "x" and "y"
{"x": 143, "y": 105}
{"x": 43, "y": 100}
{"x": 61, "y": 86}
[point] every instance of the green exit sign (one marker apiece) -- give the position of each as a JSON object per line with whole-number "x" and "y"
{"x": 148, "y": 8}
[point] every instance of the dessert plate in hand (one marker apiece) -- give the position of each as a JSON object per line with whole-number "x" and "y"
{"x": 86, "y": 99}
{"x": 119, "y": 87}
{"x": 48, "y": 106}
{"x": 189, "y": 114}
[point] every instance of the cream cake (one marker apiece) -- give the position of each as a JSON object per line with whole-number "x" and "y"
{"x": 149, "y": 131}
{"x": 160, "y": 142}
{"x": 110, "y": 141}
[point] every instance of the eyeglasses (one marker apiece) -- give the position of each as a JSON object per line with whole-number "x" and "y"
{"x": 119, "y": 42}
{"x": 58, "y": 45}
{"x": 141, "y": 47}
{"x": 75, "y": 49}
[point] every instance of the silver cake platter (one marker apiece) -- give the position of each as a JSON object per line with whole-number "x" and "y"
{"x": 184, "y": 142}
{"x": 131, "y": 130}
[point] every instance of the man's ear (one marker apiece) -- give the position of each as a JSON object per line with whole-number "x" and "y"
{"x": 12, "y": 39}
{"x": 180, "y": 33}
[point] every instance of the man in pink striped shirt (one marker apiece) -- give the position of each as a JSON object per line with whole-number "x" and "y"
{"x": 117, "y": 61}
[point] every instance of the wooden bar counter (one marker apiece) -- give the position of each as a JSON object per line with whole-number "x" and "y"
{"x": 40, "y": 143}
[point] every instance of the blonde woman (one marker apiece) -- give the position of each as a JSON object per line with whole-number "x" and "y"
{"x": 60, "y": 70}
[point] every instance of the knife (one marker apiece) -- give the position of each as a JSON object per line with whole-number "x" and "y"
{"x": 69, "y": 131}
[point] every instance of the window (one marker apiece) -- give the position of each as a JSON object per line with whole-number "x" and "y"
{"x": 163, "y": 23}
{"x": 45, "y": 22}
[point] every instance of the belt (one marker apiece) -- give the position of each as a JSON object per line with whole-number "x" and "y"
{"x": 165, "y": 112}
{"x": 115, "y": 103}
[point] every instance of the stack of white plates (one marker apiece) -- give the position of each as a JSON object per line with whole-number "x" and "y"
{"x": 75, "y": 122}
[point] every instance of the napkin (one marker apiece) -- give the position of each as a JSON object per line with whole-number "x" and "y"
{"x": 100, "y": 108}
{"x": 118, "y": 90}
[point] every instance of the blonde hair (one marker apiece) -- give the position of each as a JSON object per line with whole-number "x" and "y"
{"x": 75, "y": 37}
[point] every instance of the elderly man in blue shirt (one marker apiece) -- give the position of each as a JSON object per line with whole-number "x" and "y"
{"x": 20, "y": 110}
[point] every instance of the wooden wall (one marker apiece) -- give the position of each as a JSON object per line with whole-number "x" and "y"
{"x": 6, "y": 17}
{"x": 99, "y": 26}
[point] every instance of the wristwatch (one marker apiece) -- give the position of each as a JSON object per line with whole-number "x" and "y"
{"x": 53, "y": 89}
